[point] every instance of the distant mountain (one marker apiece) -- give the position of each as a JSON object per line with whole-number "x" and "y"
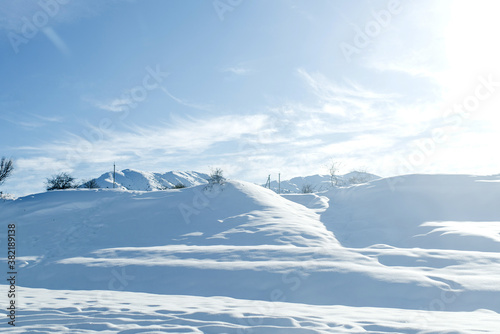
{"x": 131, "y": 179}
{"x": 322, "y": 182}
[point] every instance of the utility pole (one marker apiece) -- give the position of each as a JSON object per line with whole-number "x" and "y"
{"x": 268, "y": 182}
{"x": 114, "y": 174}
{"x": 279, "y": 183}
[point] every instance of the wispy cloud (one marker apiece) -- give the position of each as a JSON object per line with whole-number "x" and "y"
{"x": 181, "y": 142}
{"x": 124, "y": 103}
{"x": 39, "y": 164}
{"x": 114, "y": 105}
{"x": 238, "y": 70}
{"x": 181, "y": 137}
{"x": 349, "y": 92}
{"x": 349, "y": 121}
{"x": 412, "y": 68}
{"x": 48, "y": 118}
{"x": 185, "y": 102}
{"x": 29, "y": 120}
{"x": 359, "y": 105}
{"x": 346, "y": 106}
{"x": 56, "y": 39}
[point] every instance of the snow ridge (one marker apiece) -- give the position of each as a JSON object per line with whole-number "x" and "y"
{"x": 322, "y": 182}
{"x": 131, "y": 179}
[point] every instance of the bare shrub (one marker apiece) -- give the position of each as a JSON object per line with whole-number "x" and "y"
{"x": 307, "y": 189}
{"x": 60, "y": 181}
{"x": 6, "y": 168}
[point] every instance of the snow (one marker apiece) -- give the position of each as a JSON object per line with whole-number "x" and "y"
{"x": 409, "y": 254}
{"x": 398, "y": 211}
{"x": 321, "y": 182}
{"x": 131, "y": 179}
{"x": 130, "y": 312}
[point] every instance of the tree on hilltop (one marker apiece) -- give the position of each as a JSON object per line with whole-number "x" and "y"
{"x": 6, "y": 168}
{"x": 61, "y": 181}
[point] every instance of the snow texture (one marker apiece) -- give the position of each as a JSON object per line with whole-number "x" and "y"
{"x": 409, "y": 254}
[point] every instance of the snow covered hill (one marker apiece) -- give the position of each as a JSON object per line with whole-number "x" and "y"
{"x": 319, "y": 183}
{"x": 131, "y": 179}
{"x": 410, "y": 254}
{"x": 458, "y": 212}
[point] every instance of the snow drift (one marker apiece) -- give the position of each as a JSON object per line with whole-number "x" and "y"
{"x": 404, "y": 254}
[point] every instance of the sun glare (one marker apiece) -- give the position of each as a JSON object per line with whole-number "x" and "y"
{"x": 471, "y": 38}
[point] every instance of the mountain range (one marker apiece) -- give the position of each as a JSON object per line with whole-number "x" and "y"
{"x": 131, "y": 179}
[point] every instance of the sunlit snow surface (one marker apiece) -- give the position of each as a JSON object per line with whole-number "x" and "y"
{"x": 412, "y": 254}
{"x": 130, "y": 179}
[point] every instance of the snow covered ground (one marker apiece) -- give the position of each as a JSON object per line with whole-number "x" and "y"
{"x": 320, "y": 183}
{"x": 410, "y": 254}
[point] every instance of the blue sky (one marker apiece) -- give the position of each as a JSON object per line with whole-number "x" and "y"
{"x": 255, "y": 87}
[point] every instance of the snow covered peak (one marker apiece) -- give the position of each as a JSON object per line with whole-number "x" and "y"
{"x": 320, "y": 182}
{"x": 132, "y": 179}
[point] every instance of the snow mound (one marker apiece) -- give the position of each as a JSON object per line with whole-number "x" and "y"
{"x": 84, "y": 229}
{"x": 131, "y": 179}
{"x": 236, "y": 213}
{"x": 459, "y": 212}
{"x": 410, "y": 254}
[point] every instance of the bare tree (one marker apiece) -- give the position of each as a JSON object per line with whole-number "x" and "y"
{"x": 333, "y": 170}
{"x": 215, "y": 177}
{"x": 6, "y": 168}
{"x": 60, "y": 181}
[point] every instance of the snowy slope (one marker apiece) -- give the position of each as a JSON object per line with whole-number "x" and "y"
{"x": 321, "y": 182}
{"x": 131, "y": 179}
{"x": 427, "y": 211}
{"x": 130, "y": 312}
{"x": 412, "y": 254}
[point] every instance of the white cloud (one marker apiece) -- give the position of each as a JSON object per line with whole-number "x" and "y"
{"x": 182, "y": 137}
{"x": 38, "y": 164}
{"x": 114, "y": 105}
{"x": 30, "y": 173}
{"x": 407, "y": 65}
{"x": 48, "y": 118}
{"x": 237, "y": 70}
{"x": 328, "y": 91}
{"x": 29, "y": 120}
{"x": 185, "y": 102}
